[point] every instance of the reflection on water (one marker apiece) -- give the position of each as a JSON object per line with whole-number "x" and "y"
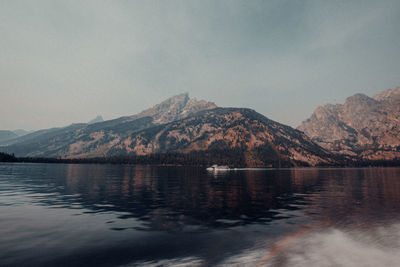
{"x": 111, "y": 215}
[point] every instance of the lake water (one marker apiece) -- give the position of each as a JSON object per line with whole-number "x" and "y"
{"x": 119, "y": 215}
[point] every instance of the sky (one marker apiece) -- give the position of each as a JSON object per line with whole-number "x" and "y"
{"x": 68, "y": 61}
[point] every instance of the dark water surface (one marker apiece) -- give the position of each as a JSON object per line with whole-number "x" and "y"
{"x": 115, "y": 215}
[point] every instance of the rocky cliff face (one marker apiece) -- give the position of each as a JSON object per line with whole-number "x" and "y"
{"x": 226, "y": 129}
{"x": 362, "y": 126}
{"x": 181, "y": 125}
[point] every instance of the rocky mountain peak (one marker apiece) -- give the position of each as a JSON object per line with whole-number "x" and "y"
{"x": 391, "y": 93}
{"x": 98, "y": 118}
{"x": 364, "y": 126}
{"x": 174, "y": 108}
{"x": 359, "y": 98}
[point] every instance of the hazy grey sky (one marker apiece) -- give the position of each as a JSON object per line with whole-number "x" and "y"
{"x": 67, "y": 61}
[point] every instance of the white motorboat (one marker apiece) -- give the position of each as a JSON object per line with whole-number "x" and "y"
{"x": 215, "y": 167}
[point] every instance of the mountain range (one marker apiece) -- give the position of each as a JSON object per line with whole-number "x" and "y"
{"x": 178, "y": 125}
{"x": 363, "y": 128}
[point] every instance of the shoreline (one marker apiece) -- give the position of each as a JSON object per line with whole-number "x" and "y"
{"x": 205, "y": 163}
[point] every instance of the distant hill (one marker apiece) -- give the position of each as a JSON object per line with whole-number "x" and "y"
{"x": 10, "y": 137}
{"x": 7, "y": 136}
{"x": 21, "y": 132}
{"x": 180, "y": 125}
{"x": 365, "y": 127}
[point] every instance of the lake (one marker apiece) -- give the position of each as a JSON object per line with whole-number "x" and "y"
{"x": 121, "y": 215}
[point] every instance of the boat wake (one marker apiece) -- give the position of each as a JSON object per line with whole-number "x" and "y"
{"x": 313, "y": 247}
{"x": 327, "y": 247}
